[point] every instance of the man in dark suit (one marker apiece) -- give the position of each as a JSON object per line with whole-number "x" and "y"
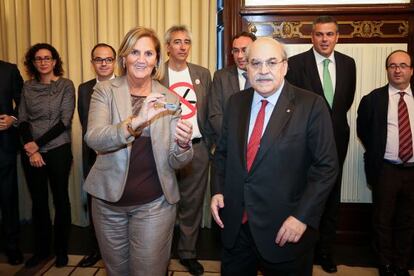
{"x": 191, "y": 83}
{"x": 228, "y": 81}
{"x": 11, "y": 83}
{"x": 103, "y": 62}
{"x": 336, "y": 83}
{"x": 275, "y": 166}
{"x": 385, "y": 126}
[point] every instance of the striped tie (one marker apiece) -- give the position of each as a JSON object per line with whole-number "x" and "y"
{"x": 405, "y": 151}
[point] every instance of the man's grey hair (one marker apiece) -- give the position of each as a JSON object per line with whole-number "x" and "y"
{"x": 173, "y": 29}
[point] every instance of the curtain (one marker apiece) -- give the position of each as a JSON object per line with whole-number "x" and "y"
{"x": 73, "y": 27}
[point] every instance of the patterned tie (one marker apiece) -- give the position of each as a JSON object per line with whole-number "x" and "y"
{"x": 247, "y": 83}
{"x": 405, "y": 151}
{"x": 254, "y": 143}
{"x": 327, "y": 83}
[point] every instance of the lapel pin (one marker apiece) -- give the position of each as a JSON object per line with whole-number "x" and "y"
{"x": 197, "y": 81}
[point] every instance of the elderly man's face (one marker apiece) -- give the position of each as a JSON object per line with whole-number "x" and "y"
{"x": 267, "y": 67}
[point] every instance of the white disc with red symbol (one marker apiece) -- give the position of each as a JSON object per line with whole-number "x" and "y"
{"x": 188, "y": 98}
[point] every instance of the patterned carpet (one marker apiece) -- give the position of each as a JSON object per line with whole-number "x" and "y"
{"x": 175, "y": 269}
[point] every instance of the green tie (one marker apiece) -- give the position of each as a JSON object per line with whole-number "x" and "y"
{"x": 327, "y": 83}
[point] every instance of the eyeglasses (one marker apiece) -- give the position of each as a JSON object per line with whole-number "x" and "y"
{"x": 99, "y": 60}
{"x": 270, "y": 63}
{"x": 402, "y": 66}
{"x": 236, "y": 51}
{"x": 46, "y": 59}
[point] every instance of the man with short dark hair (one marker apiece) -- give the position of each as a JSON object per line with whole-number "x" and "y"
{"x": 103, "y": 62}
{"x": 385, "y": 125}
{"x": 11, "y": 83}
{"x": 192, "y": 84}
{"x": 228, "y": 81}
{"x": 332, "y": 75}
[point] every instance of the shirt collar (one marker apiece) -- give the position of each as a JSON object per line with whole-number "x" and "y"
{"x": 113, "y": 76}
{"x": 240, "y": 71}
{"x": 257, "y": 98}
{"x": 319, "y": 58}
{"x": 393, "y": 91}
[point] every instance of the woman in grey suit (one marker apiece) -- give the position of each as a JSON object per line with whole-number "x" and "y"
{"x": 140, "y": 142}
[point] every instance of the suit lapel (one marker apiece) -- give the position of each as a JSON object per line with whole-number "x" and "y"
{"x": 312, "y": 68}
{"x": 383, "y": 111}
{"x": 122, "y": 98}
{"x": 243, "y": 130}
{"x": 281, "y": 114}
{"x": 340, "y": 79}
{"x": 234, "y": 79}
{"x": 166, "y": 80}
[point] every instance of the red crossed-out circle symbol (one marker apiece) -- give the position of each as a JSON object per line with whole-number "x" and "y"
{"x": 188, "y": 87}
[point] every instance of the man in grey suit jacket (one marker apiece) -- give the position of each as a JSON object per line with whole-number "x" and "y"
{"x": 228, "y": 81}
{"x": 103, "y": 63}
{"x": 191, "y": 83}
{"x": 306, "y": 71}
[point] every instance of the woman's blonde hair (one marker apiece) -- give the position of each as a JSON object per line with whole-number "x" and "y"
{"x": 128, "y": 44}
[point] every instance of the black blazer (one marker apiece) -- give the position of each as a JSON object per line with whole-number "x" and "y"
{"x": 372, "y": 130}
{"x": 225, "y": 84}
{"x": 293, "y": 173}
{"x": 85, "y": 91}
{"x": 303, "y": 72}
{"x": 11, "y": 84}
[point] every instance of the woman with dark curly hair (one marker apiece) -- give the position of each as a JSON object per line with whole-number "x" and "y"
{"x": 45, "y": 119}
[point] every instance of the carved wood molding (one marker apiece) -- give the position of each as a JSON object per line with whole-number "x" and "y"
{"x": 349, "y": 30}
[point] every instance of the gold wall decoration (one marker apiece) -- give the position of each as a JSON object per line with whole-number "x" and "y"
{"x": 365, "y": 29}
{"x": 368, "y": 29}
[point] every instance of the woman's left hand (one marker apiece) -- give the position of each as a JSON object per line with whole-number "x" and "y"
{"x": 36, "y": 160}
{"x": 183, "y": 133}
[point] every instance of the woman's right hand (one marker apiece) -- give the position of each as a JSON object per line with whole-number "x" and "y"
{"x": 36, "y": 160}
{"x": 151, "y": 107}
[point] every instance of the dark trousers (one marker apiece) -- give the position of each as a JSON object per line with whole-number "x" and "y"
{"x": 92, "y": 236}
{"x": 56, "y": 173}
{"x": 329, "y": 219}
{"x": 244, "y": 260}
{"x": 393, "y": 215}
{"x": 9, "y": 203}
{"x": 192, "y": 182}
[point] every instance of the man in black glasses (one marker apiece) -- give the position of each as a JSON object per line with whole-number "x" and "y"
{"x": 385, "y": 126}
{"x": 228, "y": 81}
{"x": 103, "y": 62}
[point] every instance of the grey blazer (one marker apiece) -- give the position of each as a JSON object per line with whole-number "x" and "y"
{"x": 109, "y": 110}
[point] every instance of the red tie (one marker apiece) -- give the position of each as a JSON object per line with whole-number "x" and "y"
{"x": 254, "y": 143}
{"x": 405, "y": 151}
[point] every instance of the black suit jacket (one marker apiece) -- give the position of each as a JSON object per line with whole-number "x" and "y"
{"x": 303, "y": 72}
{"x": 11, "y": 84}
{"x": 372, "y": 130}
{"x": 292, "y": 175}
{"x": 85, "y": 91}
{"x": 225, "y": 84}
